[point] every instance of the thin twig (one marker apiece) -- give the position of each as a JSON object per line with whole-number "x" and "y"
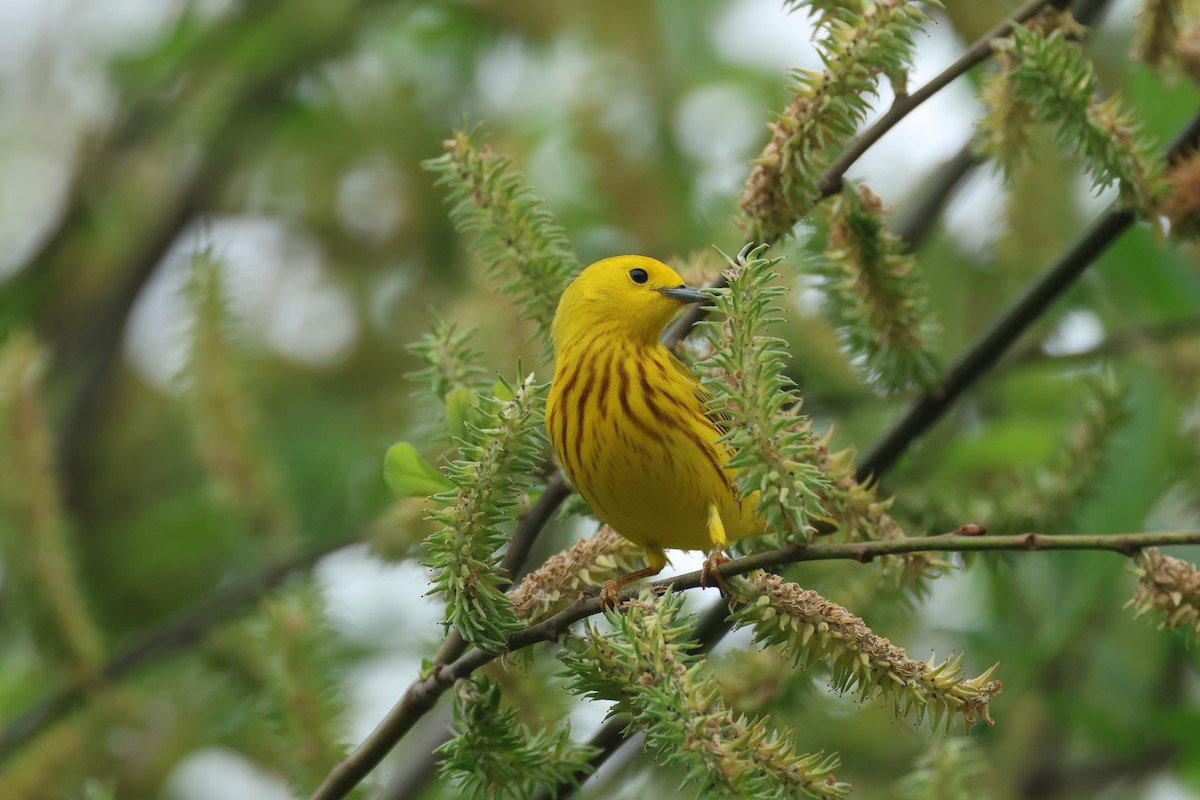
{"x": 423, "y": 693}
{"x": 831, "y": 181}
{"x": 903, "y": 105}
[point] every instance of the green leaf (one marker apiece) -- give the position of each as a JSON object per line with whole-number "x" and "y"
{"x": 409, "y": 475}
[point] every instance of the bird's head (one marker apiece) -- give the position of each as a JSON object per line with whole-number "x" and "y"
{"x": 633, "y": 297}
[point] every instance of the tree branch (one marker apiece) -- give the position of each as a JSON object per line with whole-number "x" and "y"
{"x": 904, "y": 104}
{"x": 423, "y": 693}
{"x": 996, "y": 341}
{"x": 831, "y": 181}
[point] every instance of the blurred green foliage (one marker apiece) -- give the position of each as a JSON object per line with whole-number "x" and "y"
{"x": 285, "y": 140}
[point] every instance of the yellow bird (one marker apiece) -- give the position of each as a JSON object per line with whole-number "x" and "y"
{"x": 629, "y": 422}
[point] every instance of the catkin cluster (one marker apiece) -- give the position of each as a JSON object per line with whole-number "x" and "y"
{"x": 751, "y": 391}
{"x": 499, "y": 454}
{"x": 811, "y": 628}
{"x": 569, "y": 575}
{"x": 1047, "y": 79}
{"x": 494, "y": 756}
{"x": 860, "y": 43}
{"x": 645, "y": 667}
{"x": 877, "y": 299}
{"x": 1168, "y": 586}
{"x": 512, "y": 232}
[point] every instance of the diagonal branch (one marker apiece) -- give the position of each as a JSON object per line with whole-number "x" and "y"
{"x": 423, "y": 693}
{"x": 831, "y": 181}
{"x": 1009, "y": 327}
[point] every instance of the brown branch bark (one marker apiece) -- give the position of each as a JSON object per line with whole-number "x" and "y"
{"x": 423, "y": 693}
{"x": 831, "y": 181}
{"x": 904, "y": 104}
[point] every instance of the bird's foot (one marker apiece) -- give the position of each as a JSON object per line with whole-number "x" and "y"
{"x": 608, "y": 594}
{"x": 610, "y": 591}
{"x": 710, "y": 573}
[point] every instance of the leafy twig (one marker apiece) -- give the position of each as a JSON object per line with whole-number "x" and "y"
{"x": 423, "y": 693}
{"x": 831, "y": 180}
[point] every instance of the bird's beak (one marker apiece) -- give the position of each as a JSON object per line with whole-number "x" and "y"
{"x": 685, "y": 294}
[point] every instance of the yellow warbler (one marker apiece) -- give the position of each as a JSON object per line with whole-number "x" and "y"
{"x": 629, "y": 421}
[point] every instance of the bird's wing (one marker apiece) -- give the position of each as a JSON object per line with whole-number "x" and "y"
{"x": 720, "y": 420}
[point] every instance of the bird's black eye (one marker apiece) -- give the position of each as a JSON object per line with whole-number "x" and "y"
{"x": 638, "y": 275}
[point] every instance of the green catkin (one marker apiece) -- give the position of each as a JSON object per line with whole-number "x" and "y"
{"x": 508, "y": 228}
{"x": 772, "y": 442}
{"x": 40, "y": 576}
{"x": 499, "y": 457}
{"x": 226, "y": 422}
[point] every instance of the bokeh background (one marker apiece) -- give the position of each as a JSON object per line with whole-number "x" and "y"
{"x": 284, "y": 141}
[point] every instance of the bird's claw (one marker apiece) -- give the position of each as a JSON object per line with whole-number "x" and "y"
{"x": 608, "y": 595}
{"x": 710, "y": 573}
